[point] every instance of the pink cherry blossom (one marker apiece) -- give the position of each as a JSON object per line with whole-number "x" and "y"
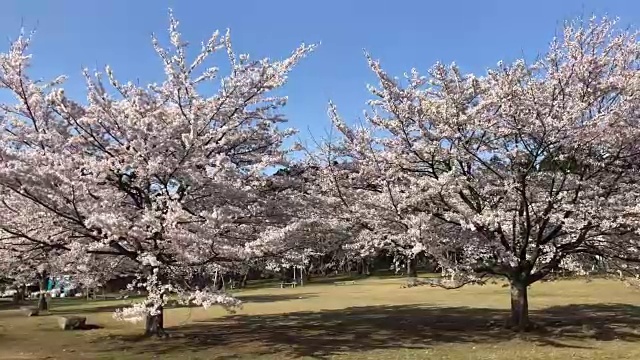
{"x": 162, "y": 179}
{"x": 525, "y": 170}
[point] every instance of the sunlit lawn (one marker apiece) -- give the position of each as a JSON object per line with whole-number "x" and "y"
{"x": 373, "y": 319}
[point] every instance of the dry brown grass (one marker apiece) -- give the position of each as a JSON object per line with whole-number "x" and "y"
{"x": 373, "y": 319}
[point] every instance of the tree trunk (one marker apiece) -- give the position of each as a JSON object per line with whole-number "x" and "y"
{"x": 20, "y": 295}
{"x": 412, "y": 267}
{"x": 307, "y": 273}
{"x": 217, "y": 282}
{"x": 243, "y": 283}
{"x": 154, "y": 324}
{"x": 43, "y": 305}
{"x": 519, "y": 306}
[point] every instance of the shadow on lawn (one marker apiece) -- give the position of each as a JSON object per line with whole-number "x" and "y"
{"x": 112, "y": 307}
{"x": 273, "y": 298}
{"x": 330, "y": 332}
{"x": 7, "y": 304}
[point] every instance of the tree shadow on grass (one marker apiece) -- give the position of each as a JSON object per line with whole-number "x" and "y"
{"x": 326, "y": 333}
{"x": 273, "y": 298}
{"x": 10, "y": 305}
{"x": 89, "y": 327}
{"x": 89, "y": 309}
{"x": 113, "y": 307}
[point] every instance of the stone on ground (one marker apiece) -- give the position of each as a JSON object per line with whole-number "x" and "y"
{"x": 72, "y": 322}
{"x": 30, "y": 310}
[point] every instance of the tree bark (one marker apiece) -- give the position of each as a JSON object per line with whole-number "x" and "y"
{"x": 307, "y": 274}
{"x": 154, "y": 324}
{"x": 43, "y": 304}
{"x": 218, "y": 284}
{"x": 519, "y": 306}
{"x": 365, "y": 267}
{"x": 20, "y": 295}
{"x": 243, "y": 283}
{"x": 412, "y": 267}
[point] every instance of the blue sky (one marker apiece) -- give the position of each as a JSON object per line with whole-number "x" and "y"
{"x": 402, "y": 33}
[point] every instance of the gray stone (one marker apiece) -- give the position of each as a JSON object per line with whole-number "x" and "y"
{"x": 72, "y": 322}
{"x": 30, "y": 310}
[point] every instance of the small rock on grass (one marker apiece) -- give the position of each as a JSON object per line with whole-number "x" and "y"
{"x": 30, "y": 310}
{"x": 72, "y": 322}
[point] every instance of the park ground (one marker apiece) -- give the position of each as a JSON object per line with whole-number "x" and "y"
{"x": 372, "y": 319}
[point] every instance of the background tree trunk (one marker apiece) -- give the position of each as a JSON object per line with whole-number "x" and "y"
{"x": 43, "y": 305}
{"x": 154, "y": 324}
{"x": 519, "y": 306}
{"x": 307, "y": 274}
{"x": 243, "y": 283}
{"x": 20, "y": 295}
{"x": 218, "y": 284}
{"x": 365, "y": 267}
{"x": 412, "y": 267}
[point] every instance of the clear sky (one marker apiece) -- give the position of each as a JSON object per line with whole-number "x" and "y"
{"x": 402, "y": 33}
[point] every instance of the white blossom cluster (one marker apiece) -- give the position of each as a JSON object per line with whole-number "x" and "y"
{"x": 528, "y": 169}
{"x": 161, "y": 181}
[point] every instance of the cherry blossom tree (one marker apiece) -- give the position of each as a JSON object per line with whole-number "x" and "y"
{"x": 524, "y": 170}
{"x": 170, "y": 176}
{"x": 25, "y": 263}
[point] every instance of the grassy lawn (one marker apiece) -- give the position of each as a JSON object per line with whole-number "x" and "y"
{"x": 374, "y": 319}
